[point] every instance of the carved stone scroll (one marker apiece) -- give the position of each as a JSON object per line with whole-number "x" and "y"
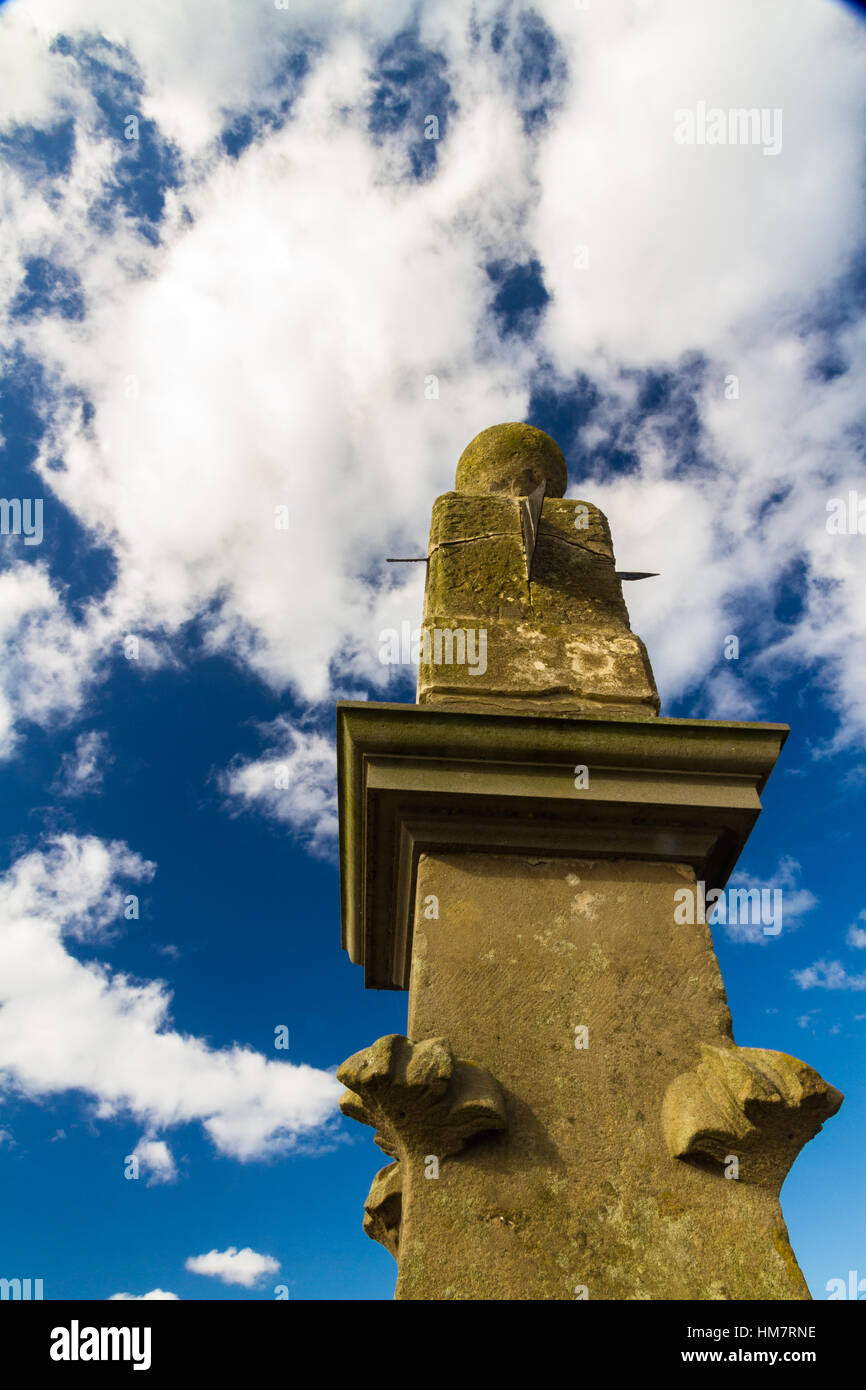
{"x": 758, "y": 1106}
{"x": 421, "y": 1101}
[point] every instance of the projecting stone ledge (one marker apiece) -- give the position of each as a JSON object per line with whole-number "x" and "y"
{"x": 420, "y": 778}
{"x": 425, "y": 1106}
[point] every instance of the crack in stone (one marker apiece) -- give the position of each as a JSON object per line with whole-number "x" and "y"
{"x": 471, "y": 540}
{"x": 515, "y": 536}
{"x": 581, "y": 545}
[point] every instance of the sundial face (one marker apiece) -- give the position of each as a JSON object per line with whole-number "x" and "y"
{"x": 530, "y": 516}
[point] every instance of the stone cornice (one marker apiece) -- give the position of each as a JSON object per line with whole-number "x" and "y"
{"x": 417, "y": 779}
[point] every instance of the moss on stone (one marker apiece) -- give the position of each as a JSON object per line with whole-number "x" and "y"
{"x": 513, "y": 459}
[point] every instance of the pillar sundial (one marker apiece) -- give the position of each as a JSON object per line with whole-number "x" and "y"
{"x": 568, "y": 1115}
{"x": 557, "y": 642}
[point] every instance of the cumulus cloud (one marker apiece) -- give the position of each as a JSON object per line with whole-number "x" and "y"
{"x": 49, "y": 659}
{"x": 234, "y": 1266}
{"x": 156, "y": 1160}
{"x": 295, "y": 783}
{"x": 309, "y": 327}
{"x": 704, "y": 279}
{"x": 83, "y": 770}
{"x": 159, "y": 1295}
{"x": 317, "y": 406}
{"x": 786, "y": 909}
{"x": 828, "y": 974}
{"x": 832, "y": 974}
{"x": 712, "y": 233}
{"x": 70, "y": 888}
{"x": 856, "y": 935}
{"x": 79, "y": 1026}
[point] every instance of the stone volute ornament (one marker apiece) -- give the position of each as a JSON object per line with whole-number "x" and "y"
{"x": 425, "y": 1106}
{"x": 569, "y": 1115}
{"x": 749, "y": 1105}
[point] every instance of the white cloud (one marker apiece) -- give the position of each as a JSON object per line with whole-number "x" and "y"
{"x": 294, "y": 783}
{"x": 68, "y": 1025}
{"x": 686, "y": 243}
{"x": 856, "y": 936}
{"x": 48, "y": 659}
{"x": 279, "y": 336}
{"x": 156, "y": 1160}
{"x": 83, "y": 770}
{"x": 793, "y": 900}
{"x": 828, "y": 974}
{"x": 282, "y": 379}
{"x": 197, "y": 67}
{"x": 68, "y": 889}
{"x": 234, "y": 1266}
{"x": 717, "y": 251}
{"x": 159, "y": 1294}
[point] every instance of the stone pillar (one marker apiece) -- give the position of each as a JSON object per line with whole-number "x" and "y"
{"x": 569, "y": 1115}
{"x": 571, "y": 982}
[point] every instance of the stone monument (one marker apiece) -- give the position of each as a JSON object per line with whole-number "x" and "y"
{"x": 568, "y": 1115}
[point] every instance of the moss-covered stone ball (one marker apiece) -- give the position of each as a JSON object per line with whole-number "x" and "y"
{"x": 513, "y": 459}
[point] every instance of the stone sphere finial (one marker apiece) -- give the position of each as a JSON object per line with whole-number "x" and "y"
{"x": 513, "y": 459}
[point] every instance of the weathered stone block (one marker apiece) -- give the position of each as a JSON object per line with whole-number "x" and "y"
{"x": 561, "y": 639}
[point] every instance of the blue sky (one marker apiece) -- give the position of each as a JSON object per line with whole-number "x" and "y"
{"x": 239, "y": 277}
